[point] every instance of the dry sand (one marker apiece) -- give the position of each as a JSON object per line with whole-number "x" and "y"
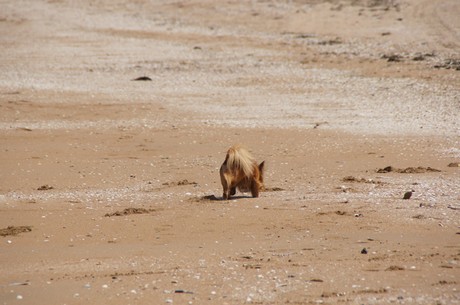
{"x": 109, "y": 187}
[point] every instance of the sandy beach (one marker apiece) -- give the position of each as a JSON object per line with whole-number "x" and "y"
{"x": 115, "y": 117}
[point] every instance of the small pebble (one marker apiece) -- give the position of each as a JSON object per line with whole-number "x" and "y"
{"x": 407, "y": 195}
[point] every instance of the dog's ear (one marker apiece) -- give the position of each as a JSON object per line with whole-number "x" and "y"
{"x": 261, "y": 167}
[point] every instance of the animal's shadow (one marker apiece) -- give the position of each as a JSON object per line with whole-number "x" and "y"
{"x": 214, "y": 198}
{"x": 235, "y": 198}
{"x": 241, "y": 196}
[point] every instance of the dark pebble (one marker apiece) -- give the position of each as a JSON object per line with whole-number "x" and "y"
{"x": 142, "y": 78}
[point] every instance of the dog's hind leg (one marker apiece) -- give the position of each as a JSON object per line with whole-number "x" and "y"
{"x": 254, "y": 188}
{"x": 233, "y": 191}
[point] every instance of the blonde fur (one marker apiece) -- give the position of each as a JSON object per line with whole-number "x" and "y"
{"x": 240, "y": 159}
{"x": 241, "y": 171}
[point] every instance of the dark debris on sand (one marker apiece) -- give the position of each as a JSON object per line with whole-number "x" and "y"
{"x": 142, "y": 78}
{"x": 14, "y": 230}
{"x": 407, "y": 170}
{"x": 129, "y": 211}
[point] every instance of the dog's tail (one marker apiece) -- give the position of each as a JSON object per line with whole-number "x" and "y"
{"x": 239, "y": 158}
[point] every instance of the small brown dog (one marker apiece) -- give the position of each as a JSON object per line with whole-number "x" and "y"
{"x": 241, "y": 171}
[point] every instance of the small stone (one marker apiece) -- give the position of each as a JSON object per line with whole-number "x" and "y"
{"x": 142, "y": 78}
{"x": 407, "y": 195}
{"x": 364, "y": 251}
